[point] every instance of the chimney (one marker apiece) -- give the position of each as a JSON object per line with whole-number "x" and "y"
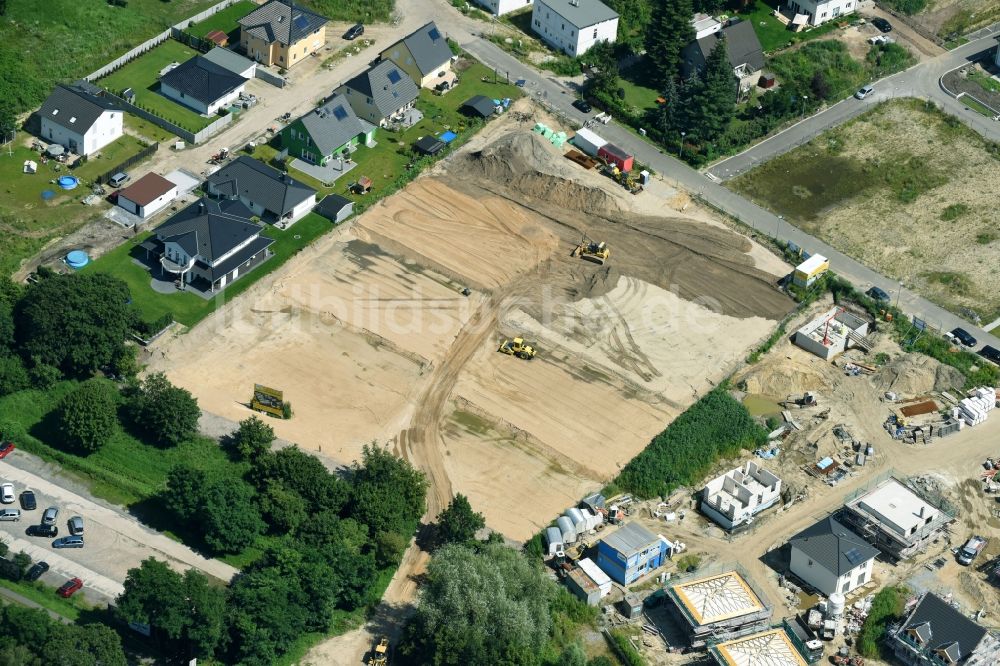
{"x": 922, "y": 511}
{"x": 201, "y": 206}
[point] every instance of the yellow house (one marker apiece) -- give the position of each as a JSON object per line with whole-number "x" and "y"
{"x": 425, "y": 56}
{"x": 280, "y": 34}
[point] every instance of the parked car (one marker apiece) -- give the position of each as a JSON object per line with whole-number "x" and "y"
{"x": 118, "y": 179}
{"x": 50, "y": 516}
{"x": 10, "y": 514}
{"x": 47, "y": 531}
{"x": 354, "y": 32}
{"x": 971, "y": 550}
{"x": 7, "y": 493}
{"x": 964, "y": 337}
{"x": 582, "y": 105}
{"x": 75, "y": 525}
{"x": 882, "y": 24}
{"x": 69, "y": 587}
{"x": 36, "y": 571}
{"x": 864, "y": 92}
{"x": 990, "y": 353}
{"x": 28, "y": 501}
{"x": 877, "y": 294}
{"x": 6, "y": 448}
{"x": 68, "y": 542}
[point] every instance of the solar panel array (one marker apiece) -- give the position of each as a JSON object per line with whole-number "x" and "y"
{"x": 301, "y": 22}
{"x": 434, "y": 34}
{"x": 339, "y": 113}
{"x": 854, "y": 556}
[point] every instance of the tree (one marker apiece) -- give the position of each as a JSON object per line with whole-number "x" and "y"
{"x": 75, "y": 322}
{"x": 458, "y": 523}
{"x": 253, "y": 438}
{"x": 490, "y": 607}
{"x": 303, "y": 473}
{"x": 166, "y": 413}
{"x": 389, "y": 493}
{"x": 604, "y": 81}
{"x": 154, "y": 595}
{"x": 13, "y": 376}
{"x": 284, "y": 509}
{"x": 389, "y": 549}
{"x": 229, "y": 516}
{"x": 87, "y": 417}
{"x": 87, "y": 645}
{"x": 669, "y": 31}
{"x": 714, "y": 99}
{"x": 185, "y": 492}
{"x": 670, "y": 117}
{"x": 633, "y": 21}
{"x": 819, "y": 86}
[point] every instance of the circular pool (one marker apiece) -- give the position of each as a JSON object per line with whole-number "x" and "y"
{"x": 77, "y": 259}
{"x": 68, "y": 182}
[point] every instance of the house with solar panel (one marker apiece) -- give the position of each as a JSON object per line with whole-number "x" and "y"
{"x": 831, "y": 558}
{"x": 425, "y": 55}
{"x": 279, "y": 33}
{"x": 935, "y": 633}
{"x": 381, "y": 94}
{"x": 329, "y": 132}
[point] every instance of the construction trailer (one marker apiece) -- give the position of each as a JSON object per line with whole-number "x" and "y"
{"x": 595, "y": 574}
{"x": 588, "y": 142}
{"x": 895, "y": 519}
{"x": 773, "y": 647}
{"x": 631, "y": 552}
{"x": 810, "y": 270}
{"x": 584, "y": 587}
{"x": 717, "y": 608}
{"x": 612, "y": 154}
{"x": 735, "y": 497}
{"x": 833, "y": 333}
{"x": 554, "y": 541}
{"x": 805, "y": 639}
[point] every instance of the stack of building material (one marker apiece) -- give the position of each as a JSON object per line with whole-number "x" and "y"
{"x": 974, "y": 409}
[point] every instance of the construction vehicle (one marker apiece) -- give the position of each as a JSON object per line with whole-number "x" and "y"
{"x": 591, "y": 251}
{"x": 518, "y": 348}
{"x": 808, "y": 399}
{"x": 971, "y": 550}
{"x": 380, "y": 653}
{"x": 625, "y": 178}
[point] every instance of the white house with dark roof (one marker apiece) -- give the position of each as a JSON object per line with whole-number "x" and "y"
{"x": 330, "y": 131}
{"x": 381, "y": 93}
{"x": 268, "y": 193}
{"x": 831, "y": 558}
{"x": 935, "y": 633}
{"x": 574, "y": 26}
{"x": 80, "y": 120}
{"x": 821, "y": 11}
{"x": 501, "y": 7}
{"x": 209, "y": 244}
{"x": 281, "y": 34}
{"x": 425, "y": 55}
{"x": 202, "y": 85}
{"x": 742, "y": 47}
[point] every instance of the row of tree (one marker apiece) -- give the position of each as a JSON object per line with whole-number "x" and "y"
{"x": 29, "y": 637}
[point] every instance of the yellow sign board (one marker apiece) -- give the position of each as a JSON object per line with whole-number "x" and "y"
{"x": 266, "y": 399}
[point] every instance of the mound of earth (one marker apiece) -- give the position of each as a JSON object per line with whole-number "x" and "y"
{"x": 916, "y": 374}
{"x": 782, "y": 377}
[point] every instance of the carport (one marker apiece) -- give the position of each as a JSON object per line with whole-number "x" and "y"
{"x": 429, "y": 145}
{"x": 479, "y": 106}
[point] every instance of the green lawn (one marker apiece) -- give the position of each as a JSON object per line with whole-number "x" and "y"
{"x": 187, "y": 308}
{"x": 985, "y": 81}
{"x": 46, "y": 597}
{"x": 775, "y": 35}
{"x": 144, "y": 128}
{"x": 142, "y": 76}
{"x": 639, "y": 90}
{"x": 226, "y": 21}
{"x": 976, "y": 106}
{"x": 110, "y": 156}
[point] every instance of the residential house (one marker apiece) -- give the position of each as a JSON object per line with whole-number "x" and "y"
{"x": 79, "y": 119}
{"x": 425, "y": 55}
{"x": 202, "y": 85}
{"x": 831, "y": 558}
{"x": 232, "y": 61}
{"x": 501, "y": 7}
{"x": 746, "y": 56}
{"x": 821, "y": 11}
{"x": 381, "y": 93}
{"x": 147, "y": 195}
{"x": 717, "y": 607}
{"x": 936, "y": 634}
{"x": 333, "y": 130}
{"x": 268, "y": 193}
{"x": 209, "y": 244}
{"x": 735, "y": 497}
{"x": 631, "y": 552}
{"x": 281, "y": 34}
{"x": 574, "y": 26}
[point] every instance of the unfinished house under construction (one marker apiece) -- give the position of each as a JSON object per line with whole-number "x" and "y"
{"x": 773, "y": 647}
{"x": 718, "y": 608}
{"x": 895, "y": 519}
{"x": 834, "y": 332}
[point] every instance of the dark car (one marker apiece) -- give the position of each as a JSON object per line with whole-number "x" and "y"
{"x": 882, "y": 24}
{"x": 28, "y": 501}
{"x": 877, "y": 294}
{"x": 6, "y": 448}
{"x": 36, "y": 571}
{"x": 68, "y": 542}
{"x": 47, "y": 531}
{"x": 990, "y": 354}
{"x": 354, "y": 31}
{"x": 582, "y": 105}
{"x": 69, "y": 587}
{"x": 964, "y": 337}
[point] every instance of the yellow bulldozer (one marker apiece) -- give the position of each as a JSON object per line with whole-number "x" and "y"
{"x": 591, "y": 251}
{"x": 380, "y": 653}
{"x": 517, "y": 347}
{"x": 625, "y": 178}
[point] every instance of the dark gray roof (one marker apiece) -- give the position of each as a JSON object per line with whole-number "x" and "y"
{"x": 228, "y": 59}
{"x": 331, "y": 205}
{"x": 332, "y": 125}
{"x": 833, "y": 546}
{"x": 281, "y": 21}
{"x": 630, "y": 538}
{"x": 69, "y": 102}
{"x": 742, "y": 45}
{"x": 428, "y": 47}
{"x": 261, "y": 184}
{"x": 203, "y": 80}
{"x": 387, "y": 85}
{"x": 942, "y": 627}
{"x": 208, "y": 229}
{"x": 581, "y": 13}
{"x": 481, "y": 105}
{"x": 429, "y": 145}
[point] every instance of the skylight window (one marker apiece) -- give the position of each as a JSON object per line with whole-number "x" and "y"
{"x": 73, "y": 119}
{"x": 394, "y": 76}
{"x": 339, "y": 112}
{"x": 55, "y": 112}
{"x": 434, "y": 34}
{"x": 301, "y": 22}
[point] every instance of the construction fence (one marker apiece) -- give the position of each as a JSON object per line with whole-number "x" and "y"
{"x": 135, "y": 159}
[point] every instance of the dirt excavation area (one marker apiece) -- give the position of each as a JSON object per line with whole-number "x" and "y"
{"x": 929, "y": 182}
{"x": 387, "y": 329}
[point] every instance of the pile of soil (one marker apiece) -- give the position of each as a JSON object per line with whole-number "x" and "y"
{"x": 781, "y": 376}
{"x": 916, "y": 374}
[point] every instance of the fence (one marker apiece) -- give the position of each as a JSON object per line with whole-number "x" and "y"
{"x": 195, "y": 42}
{"x": 156, "y": 40}
{"x": 135, "y": 159}
{"x": 268, "y": 77}
{"x": 191, "y": 137}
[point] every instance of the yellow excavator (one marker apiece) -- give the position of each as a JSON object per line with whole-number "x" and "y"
{"x": 380, "y": 654}
{"x": 625, "y": 178}
{"x": 591, "y": 251}
{"x": 518, "y": 348}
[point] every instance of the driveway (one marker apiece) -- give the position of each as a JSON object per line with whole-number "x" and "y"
{"x": 115, "y": 541}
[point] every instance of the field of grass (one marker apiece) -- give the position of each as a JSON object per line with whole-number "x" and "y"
{"x": 976, "y": 106}
{"x": 226, "y": 21}
{"x": 775, "y": 35}
{"x": 142, "y": 76}
{"x": 144, "y": 128}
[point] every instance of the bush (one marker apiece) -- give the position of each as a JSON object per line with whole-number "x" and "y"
{"x": 168, "y": 415}
{"x": 887, "y": 605}
{"x": 88, "y": 416}
{"x": 627, "y": 652}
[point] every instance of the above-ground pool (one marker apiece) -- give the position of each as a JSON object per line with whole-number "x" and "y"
{"x": 448, "y": 136}
{"x": 77, "y": 259}
{"x": 68, "y": 182}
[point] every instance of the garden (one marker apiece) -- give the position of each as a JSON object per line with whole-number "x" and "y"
{"x": 226, "y": 20}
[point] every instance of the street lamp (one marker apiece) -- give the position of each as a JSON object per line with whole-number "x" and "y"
{"x": 777, "y": 223}
{"x": 804, "y": 99}
{"x": 680, "y": 155}
{"x": 897, "y": 293}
